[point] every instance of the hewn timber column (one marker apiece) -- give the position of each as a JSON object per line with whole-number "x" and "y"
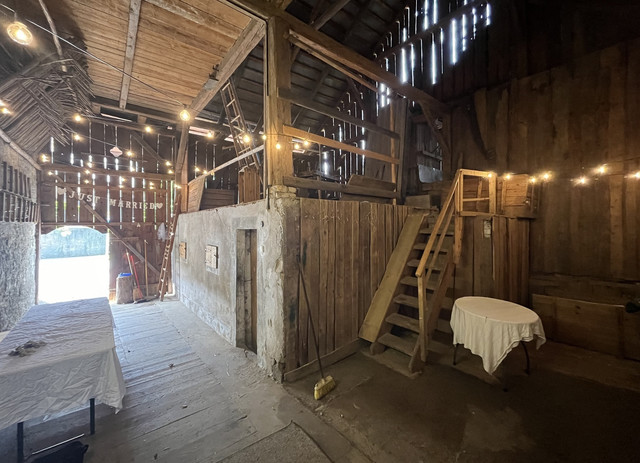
{"x": 277, "y": 111}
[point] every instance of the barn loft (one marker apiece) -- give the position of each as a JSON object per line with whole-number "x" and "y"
{"x": 201, "y": 197}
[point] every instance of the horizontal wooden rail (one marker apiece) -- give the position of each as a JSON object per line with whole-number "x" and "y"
{"x": 228, "y": 163}
{"x": 97, "y": 170}
{"x": 309, "y": 184}
{"x": 293, "y": 132}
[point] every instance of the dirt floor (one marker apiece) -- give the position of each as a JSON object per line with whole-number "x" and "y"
{"x": 446, "y": 415}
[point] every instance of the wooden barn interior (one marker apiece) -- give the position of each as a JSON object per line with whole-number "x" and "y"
{"x": 277, "y": 184}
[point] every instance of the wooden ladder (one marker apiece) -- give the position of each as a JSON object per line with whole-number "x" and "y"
{"x": 238, "y": 125}
{"x": 163, "y": 282}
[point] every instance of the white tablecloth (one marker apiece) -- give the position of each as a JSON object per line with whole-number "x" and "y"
{"x": 78, "y": 362}
{"x": 491, "y": 328}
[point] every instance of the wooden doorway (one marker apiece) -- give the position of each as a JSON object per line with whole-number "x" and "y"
{"x": 247, "y": 289}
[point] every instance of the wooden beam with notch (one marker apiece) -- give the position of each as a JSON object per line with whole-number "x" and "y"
{"x": 311, "y": 184}
{"x": 132, "y": 34}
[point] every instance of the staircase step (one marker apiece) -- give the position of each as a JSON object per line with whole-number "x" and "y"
{"x": 428, "y": 231}
{"x": 421, "y": 246}
{"x": 407, "y": 300}
{"x": 395, "y": 342}
{"x": 413, "y": 281}
{"x": 404, "y": 322}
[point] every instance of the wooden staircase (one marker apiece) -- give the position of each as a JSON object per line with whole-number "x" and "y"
{"x": 412, "y": 300}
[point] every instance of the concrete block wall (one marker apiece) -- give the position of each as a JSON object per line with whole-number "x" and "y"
{"x": 212, "y": 296}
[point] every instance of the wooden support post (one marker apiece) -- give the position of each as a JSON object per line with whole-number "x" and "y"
{"x": 277, "y": 112}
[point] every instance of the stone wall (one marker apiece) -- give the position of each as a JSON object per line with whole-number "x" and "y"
{"x": 17, "y": 251}
{"x": 17, "y": 267}
{"x": 212, "y": 294}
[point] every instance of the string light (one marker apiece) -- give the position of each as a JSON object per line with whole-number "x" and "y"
{"x": 170, "y": 171}
{"x": 20, "y": 33}
{"x": 507, "y": 176}
{"x": 305, "y": 143}
{"x": 601, "y": 169}
{"x": 77, "y": 118}
{"x": 147, "y": 129}
{"x": 197, "y": 169}
{"x": 86, "y": 180}
{"x": 546, "y": 176}
{"x": 130, "y": 153}
{"x": 89, "y": 164}
{"x": 296, "y": 146}
{"x": 76, "y": 137}
{"x": 581, "y": 180}
{"x": 185, "y": 115}
{"x": 209, "y": 134}
{"x": 6, "y": 111}
{"x": 636, "y": 175}
{"x": 87, "y": 171}
{"x": 264, "y": 136}
{"x": 246, "y": 138}
{"x": 167, "y": 163}
{"x": 177, "y": 187}
{"x": 533, "y": 179}
{"x": 49, "y": 173}
{"x": 44, "y": 158}
{"x": 278, "y": 146}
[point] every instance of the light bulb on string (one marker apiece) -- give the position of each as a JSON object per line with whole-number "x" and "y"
{"x": 581, "y": 180}
{"x": 209, "y": 134}
{"x": 636, "y": 175}
{"x": 77, "y": 118}
{"x": 167, "y": 163}
{"x": 601, "y": 169}
{"x": 246, "y": 138}
{"x": 533, "y": 179}
{"x": 296, "y": 146}
{"x": 278, "y": 146}
{"x": 185, "y": 115}
{"x": 130, "y": 153}
{"x": 76, "y": 137}
{"x": 305, "y": 143}
{"x": 19, "y": 33}
{"x": 507, "y": 176}
{"x": 148, "y": 129}
{"x": 6, "y": 111}
{"x": 546, "y": 176}
{"x": 264, "y": 136}
{"x": 170, "y": 171}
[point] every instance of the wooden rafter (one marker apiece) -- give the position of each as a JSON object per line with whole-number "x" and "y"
{"x": 132, "y": 34}
{"x": 248, "y": 40}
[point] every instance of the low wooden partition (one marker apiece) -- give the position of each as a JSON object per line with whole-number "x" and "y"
{"x": 344, "y": 249}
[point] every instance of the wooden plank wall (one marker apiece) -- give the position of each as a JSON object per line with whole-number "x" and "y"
{"x": 568, "y": 121}
{"x": 344, "y": 249}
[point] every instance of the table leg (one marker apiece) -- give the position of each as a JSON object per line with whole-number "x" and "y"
{"x": 526, "y": 353}
{"x": 455, "y": 352}
{"x": 92, "y": 415}
{"x": 20, "y": 442}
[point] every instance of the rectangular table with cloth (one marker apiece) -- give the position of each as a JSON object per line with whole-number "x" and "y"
{"x": 78, "y": 363}
{"x": 491, "y": 328}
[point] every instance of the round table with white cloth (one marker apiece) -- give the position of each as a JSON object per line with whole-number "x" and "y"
{"x": 491, "y": 328}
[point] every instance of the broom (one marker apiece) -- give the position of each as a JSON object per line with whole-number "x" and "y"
{"x": 137, "y": 294}
{"x": 326, "y": 384}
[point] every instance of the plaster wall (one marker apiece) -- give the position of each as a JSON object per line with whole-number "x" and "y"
{"x": 212, "y": 295}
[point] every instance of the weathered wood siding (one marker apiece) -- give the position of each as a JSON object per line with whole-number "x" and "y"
{"x": 344, "y": 249}
{"x": 568, "y": 121}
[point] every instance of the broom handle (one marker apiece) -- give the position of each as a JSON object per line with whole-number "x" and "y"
{"x": 313, "y": 329}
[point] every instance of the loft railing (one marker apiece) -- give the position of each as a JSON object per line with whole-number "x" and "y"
{"x": 454, "y": 208}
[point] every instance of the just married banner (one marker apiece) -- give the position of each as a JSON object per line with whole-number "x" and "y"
{"x": 72, "y": 193}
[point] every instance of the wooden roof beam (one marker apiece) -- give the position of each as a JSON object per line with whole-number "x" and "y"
{"x": 132, "y": 34}
{"x": 248, "y": 40}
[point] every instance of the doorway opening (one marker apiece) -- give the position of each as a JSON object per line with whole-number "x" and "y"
{"x": 74, "y": 264}
{"x": 247, "y": 289}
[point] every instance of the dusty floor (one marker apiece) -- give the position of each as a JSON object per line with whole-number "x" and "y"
{"x": 215, "y": 404}
{"x": 191, "y": 397}
{"x": 446, "y": 415}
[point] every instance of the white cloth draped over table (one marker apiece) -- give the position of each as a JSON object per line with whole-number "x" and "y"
{"x": 491, "y": 328}
{"x": 77, "y": 363}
